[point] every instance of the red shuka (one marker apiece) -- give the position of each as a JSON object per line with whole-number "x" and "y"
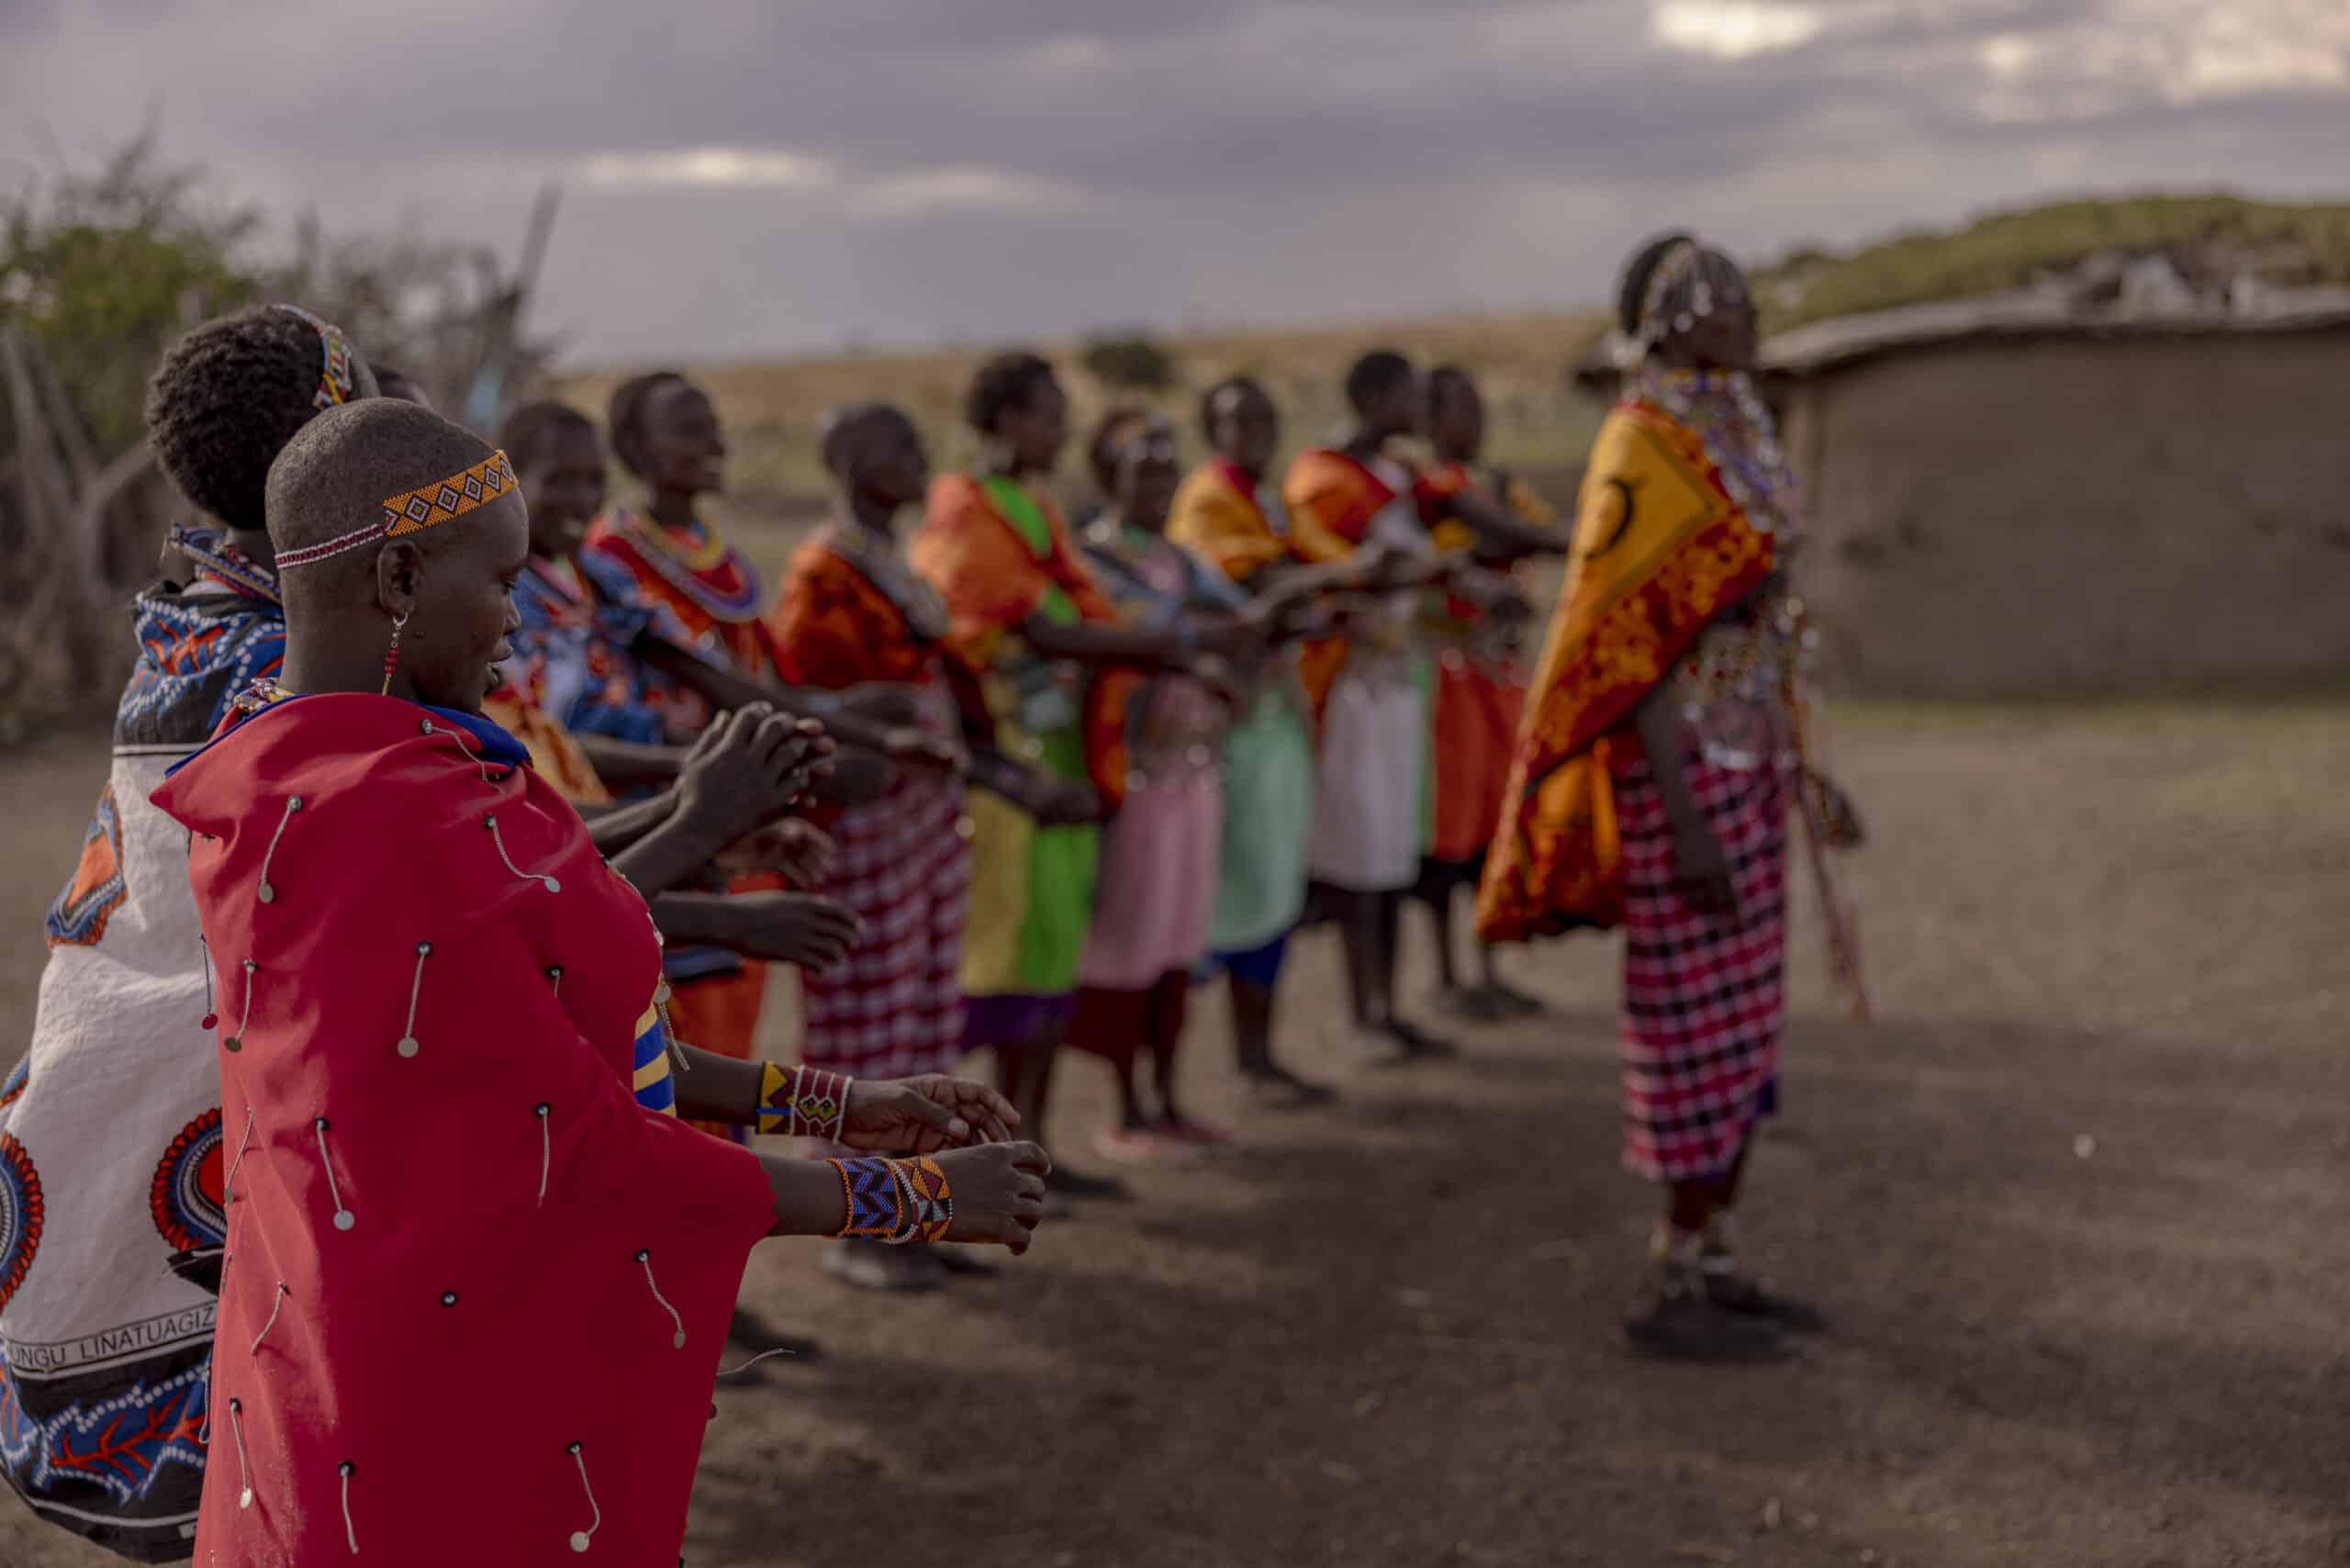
{"x": 504, "y": 1352}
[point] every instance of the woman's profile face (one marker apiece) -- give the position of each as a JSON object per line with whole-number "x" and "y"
{"x": 1037, "y": 429}
{"x": 461, "y": 611}
{"x": 1456, "y": 425}
{"x": 1725, "y": 339}
{"x": 1246, "y": 429}
{"x": 563, "y": 486}
{"x": 1147, "y": 474}
{"x": 895, "y": 469}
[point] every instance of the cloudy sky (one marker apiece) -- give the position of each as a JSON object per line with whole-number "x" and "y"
{"x": 744, "y": 176}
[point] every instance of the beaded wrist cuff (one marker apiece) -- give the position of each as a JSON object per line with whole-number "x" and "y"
{"x": 896, "y": 1201}
{"x": 874, "y": 1197}
{"x": 933, "y": 1201}
{"x": 802, "y": 1101}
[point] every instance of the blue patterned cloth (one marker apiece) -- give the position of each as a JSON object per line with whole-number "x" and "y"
{"x": 574, "y": 658}
{"x": 197, "y": 651}
{"x": 102, "y": 1385}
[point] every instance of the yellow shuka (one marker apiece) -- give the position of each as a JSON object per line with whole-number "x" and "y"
{"x": 1660, "y": 548}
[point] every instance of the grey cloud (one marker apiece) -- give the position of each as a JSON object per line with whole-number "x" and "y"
{"x": 1223, "y": 158}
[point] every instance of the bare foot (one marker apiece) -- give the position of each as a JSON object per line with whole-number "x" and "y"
{"x": 1417, "y": 1045}
{"x": 1517, "y": 1003}
{"x": 1197, "y": 1135}
{"x": 1278, "y": 1089}
{"x": 1137, "y": 1146}
{"x": 1473, "y": 1004}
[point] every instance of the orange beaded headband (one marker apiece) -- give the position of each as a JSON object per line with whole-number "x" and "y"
{"x": 413, "y": 512}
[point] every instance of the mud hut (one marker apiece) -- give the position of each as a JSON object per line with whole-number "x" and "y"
{"x": 2066, "y": 493}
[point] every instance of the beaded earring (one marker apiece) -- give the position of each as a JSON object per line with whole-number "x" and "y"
{"x": 392, "y": 653}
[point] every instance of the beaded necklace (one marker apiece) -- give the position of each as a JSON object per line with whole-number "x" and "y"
{"x": 225, "y": 564}
{"x": 1740, "y": 683}
{"x": 262, "y": 693}
{"x": 1726, "y": 412}
{"x": 683, "y": 571}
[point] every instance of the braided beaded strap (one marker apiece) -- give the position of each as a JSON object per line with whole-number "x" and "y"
{"x": 909, "y": 1208}
{"x": 804, "y": 1101}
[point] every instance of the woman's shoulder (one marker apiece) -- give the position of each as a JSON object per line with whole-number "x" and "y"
{"x": 405, "y": 769}
{"x": 952, "y": 497}
{"x": 1331, "y": 475}
{"x": 607, "y": 536}
{"x": 1637, "y": 421}
{"x": 830, "y": 576}
{"x": 342, "y": 816}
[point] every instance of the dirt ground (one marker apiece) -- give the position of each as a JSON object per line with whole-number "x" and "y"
{"x": 2075, "y": 1203}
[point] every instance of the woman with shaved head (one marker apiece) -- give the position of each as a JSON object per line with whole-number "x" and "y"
{"x": 478, "y": 1273}
{"x": 1661, "y": 748}
{"x": 1053, "y": 666}
{"x": 852, "y": 611}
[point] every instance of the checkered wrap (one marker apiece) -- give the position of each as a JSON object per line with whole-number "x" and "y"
{"x": 1702, "y": 996}
{"x": 893, "y": 1008}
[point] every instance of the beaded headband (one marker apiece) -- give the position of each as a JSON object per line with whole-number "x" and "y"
{"x": 1679, "y": 259}
{"x": 413, "y": 512}
{"x": 336, "y": 382}
{"x": 1685, "y": 265}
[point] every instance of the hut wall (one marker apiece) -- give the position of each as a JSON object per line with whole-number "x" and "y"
{"x": 2081, "y": 517}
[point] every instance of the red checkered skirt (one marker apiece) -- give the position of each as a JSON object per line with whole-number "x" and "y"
{"x": 893, "y": 1007}
{"x": 1703, "y": 995}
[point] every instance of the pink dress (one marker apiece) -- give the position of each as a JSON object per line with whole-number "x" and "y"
{"x": 1158, "y": 869}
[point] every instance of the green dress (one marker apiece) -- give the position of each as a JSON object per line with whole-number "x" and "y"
{"x": 1032, "y": 891}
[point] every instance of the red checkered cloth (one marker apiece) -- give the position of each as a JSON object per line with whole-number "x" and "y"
{"x": 893, "y": 1008}
{"x": 1703, "y": 995}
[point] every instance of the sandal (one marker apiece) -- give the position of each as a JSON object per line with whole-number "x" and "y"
{"x": 1680, "y": 1324}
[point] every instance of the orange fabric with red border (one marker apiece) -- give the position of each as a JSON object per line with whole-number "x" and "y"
{"x": 1479, "y": 696}
{"x": 992, "y": 581}
{"x": 1332, "y": 498}
{"x": 834, "y": 629}
{"x": 1661, "y": 549}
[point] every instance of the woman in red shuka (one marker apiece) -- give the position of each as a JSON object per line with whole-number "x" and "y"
{"x": 477, "y": 1281}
